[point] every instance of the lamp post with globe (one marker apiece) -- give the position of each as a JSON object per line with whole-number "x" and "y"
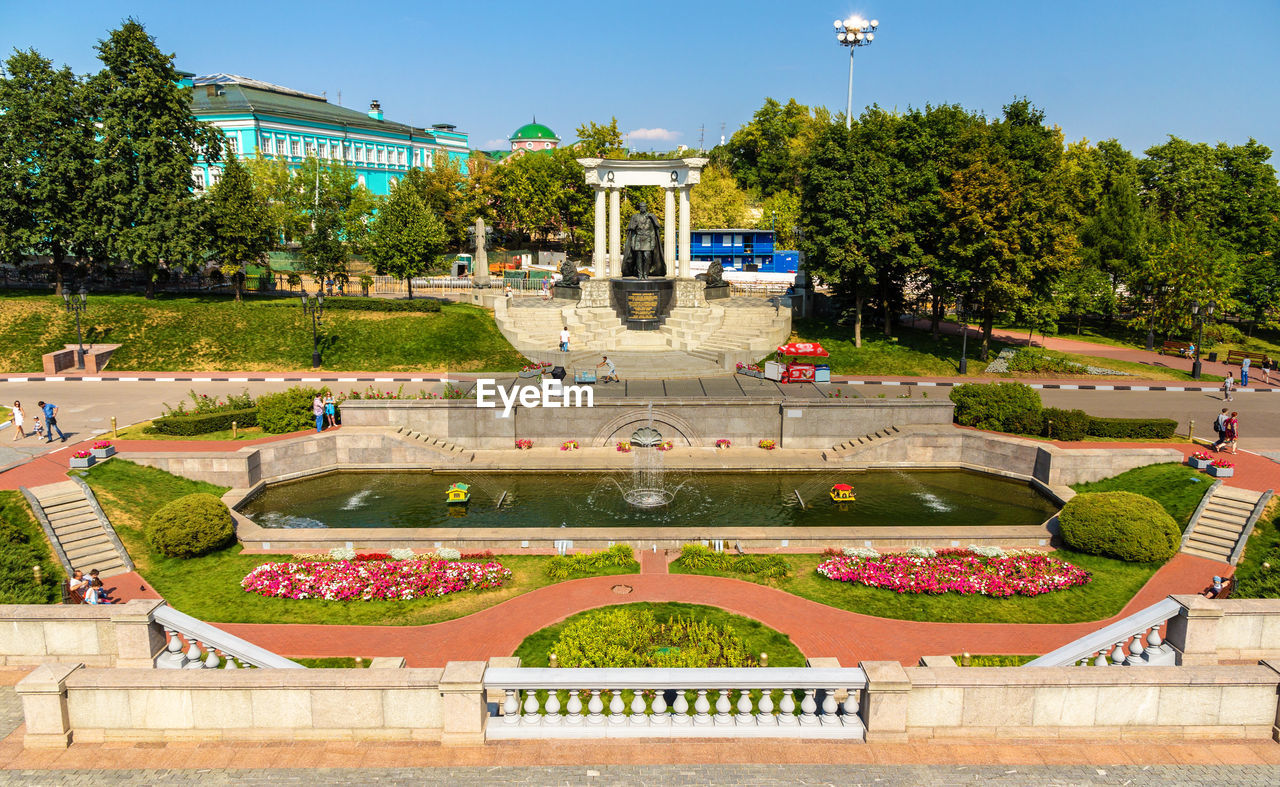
{"x": 853, "y": 33}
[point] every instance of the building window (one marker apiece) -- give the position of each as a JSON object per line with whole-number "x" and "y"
{"x": 737, "y": 240}
{"x": 360, "y": 154}
{"x": 360, "y": 179}
{"x": 215, "y": 175}
{"x": 706, "y": 240}
{"x": 311, "y": 147}
{"x": 197, "y": 177}
{"x": 295, "y": 147}
{"x": 382, "y": 155}
{"x": 268, "y": 145}
{"x": 324, "y": 149}
{"x": 400, "y": 157}
{"x": 232, "y": 147}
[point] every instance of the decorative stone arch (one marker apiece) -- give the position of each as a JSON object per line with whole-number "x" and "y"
{"x": 610, "y": 176}
{"x": 672, "y": 427}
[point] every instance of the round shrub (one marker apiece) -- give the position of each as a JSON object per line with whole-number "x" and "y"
{"x": 191, "y": 526}
{"x": 1120, "y": 525}
{"x": 1004, "y": 407}
{"x": 288, "y": 411}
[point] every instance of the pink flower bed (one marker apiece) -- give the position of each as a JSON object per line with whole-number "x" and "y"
{"x": 368, "y": 580}
{"x": 958, "y": 571}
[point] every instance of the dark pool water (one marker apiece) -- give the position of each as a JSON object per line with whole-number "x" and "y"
{"x": 700, "y": 500}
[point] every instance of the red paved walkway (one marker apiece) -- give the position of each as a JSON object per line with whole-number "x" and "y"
{"x": 818, "y": 630}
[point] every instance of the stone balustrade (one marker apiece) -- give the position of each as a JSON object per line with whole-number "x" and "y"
{"x": 208, "y": 647}
{"x": 661, "y": 703}
{"x": 1133, "y": 641}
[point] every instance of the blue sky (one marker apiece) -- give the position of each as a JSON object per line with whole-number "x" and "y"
{"x": 1132, "y": 70}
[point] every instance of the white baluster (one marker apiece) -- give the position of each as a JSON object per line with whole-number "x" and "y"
{"x": 232, "y": 663}
{"x": 172, "y": 658}
{"x": 851, "y": 706}
{"x": 765, "y": 706}
{"x": 701, "y": 718}
{"x": 660, "y": 717}
{"x": 808, "y": 708}
{"x": 1117, "y": 654}
{"x": 723, "y": 706}
{"x": 680, "y": 710}
{"x": 552, "y": 717}
{"x": 531, "y": 716}
{"x": 744, "y": 708}
{"x": 1101, "y": 659}
{"x": 787, "y": 709}
{"x": 1153, "y": 638}
{"x": 1136, "y": 648}
{"x": 638, "y": 718}
{"x": 574, "y": 707}
{"x": 195, "y": 657}
{"x": 829, "y": 707}
{"x": 212, "y": 661}
{"x": 511, "y": 707}
{"x": 616, "y": 707}
{"x": 595, "y": 705}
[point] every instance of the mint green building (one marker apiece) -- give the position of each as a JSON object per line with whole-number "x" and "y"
{"x": 279, "y": 122}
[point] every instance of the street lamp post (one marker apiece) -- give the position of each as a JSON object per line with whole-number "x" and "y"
{"x": 964, "y": 336}
{"x": 1195, "y": 312}
{"x": 853, "y": 33}
{"x": 75, "y": 306}
{"x": 314, "y": 308}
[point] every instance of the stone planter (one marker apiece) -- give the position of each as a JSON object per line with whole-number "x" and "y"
{"x": 103, "y": 453}
{"x": 82, "y": 461}
{"x": 1221, "y": 472}
{"x": 531, "y": 373}
{"x": 1198, "y": 464}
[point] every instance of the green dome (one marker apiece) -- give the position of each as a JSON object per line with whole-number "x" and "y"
{"x": 533, "y": 131}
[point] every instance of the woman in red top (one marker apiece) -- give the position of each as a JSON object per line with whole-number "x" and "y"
{"x": 1232, "y": 431}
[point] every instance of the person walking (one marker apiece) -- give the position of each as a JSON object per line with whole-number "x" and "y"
{"x": 19, "y": 418}
{"x": 317, "y": 409}
{"x": 1233, "y": 431}
{"x": 564, "y": 339}
{"x": 50, "y": 411}
{"x": 1220, "y": 429}
{"x": 1244, "y": 371}
{"x": 330, "y": 410}
{"x": 1227, "y": 385}
{"x": 1267, "y": 363}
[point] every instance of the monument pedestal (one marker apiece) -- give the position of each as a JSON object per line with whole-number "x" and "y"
{"x": 642, "y": 304}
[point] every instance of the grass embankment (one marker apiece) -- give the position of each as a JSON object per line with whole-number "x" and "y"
{"x": 22, "y": 546}
{"x": 208, "y": 587}
{"x": 1114, "y": 583}
{"x": 993, "y": 661}
{"x": 1095, "y": 332}
{"x": 212, "y": 332}
{"x": 1173, "y": 485}
{"x": 1258, "y": 572}
{"x": 5, "y": 414}
{"x": 137, "y": 432}
{"x": 757, "y": 637}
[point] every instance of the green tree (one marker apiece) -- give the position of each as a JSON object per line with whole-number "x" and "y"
{"x": 763, "y": 155}
{"x": 148, "y": 145}
{"x": 715, "y": 201}
{"x": 1186, "y": 264}
{"x": 331, "y": 211}
{"x": 599, "y": 141}
{"x": 406, "y": 237}
{"x": 46, "y": 163}
{"x": 238, "y": 224}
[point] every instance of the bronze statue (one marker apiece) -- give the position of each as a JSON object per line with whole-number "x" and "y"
{"x": 569, "y": 276}
{"x": 714, "y": 277}
{"x": 642, "y": 256}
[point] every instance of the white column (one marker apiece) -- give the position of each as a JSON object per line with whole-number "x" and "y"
{"x": 685, "y": 239}
{"x": 669, "y": 232}
{"x": 615, "y": 231}
{"x": 600, "y": 269}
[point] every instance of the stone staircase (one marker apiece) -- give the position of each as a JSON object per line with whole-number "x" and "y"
{"x": 857, "y": 444}
{"x": 80, "y": 532}
{"x": 436, "y": 443}
{"x": 1224, "y": 520}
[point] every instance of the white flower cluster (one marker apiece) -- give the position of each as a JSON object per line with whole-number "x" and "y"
{"x": 921, "y": 552}
{"x": 988, "y": 551}
{"x": 864, "y": 553}
{"x": 400, "y": 554}
{"x": 448, "y": 553}
{"x": 342, "y": 553}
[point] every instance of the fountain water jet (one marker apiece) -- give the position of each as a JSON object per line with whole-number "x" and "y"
{"x": 646, "y": 489}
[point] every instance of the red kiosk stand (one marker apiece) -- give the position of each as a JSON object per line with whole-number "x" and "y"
{"x": 785, "y": 371}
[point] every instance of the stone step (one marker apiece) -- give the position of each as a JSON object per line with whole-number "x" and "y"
{"x": 79, "y": 536}
{"x": 57, "y": 501}
{"x": 1203, "y": 538}
{"x": 72, "y": 516}
{"x": 111, "y": 568}
{"x": 1224, "y": 520}
{"x": 1213, "y": 528}
{"x": 1241, "y": 495}
{"x": 68, "y": 505}
{"x": 91, "y": 546}
{"x": 1232, "y": 505}
{"x": 1212, "y": 555}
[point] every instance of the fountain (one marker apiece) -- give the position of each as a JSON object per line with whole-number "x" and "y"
{"x": 646, "y": 489}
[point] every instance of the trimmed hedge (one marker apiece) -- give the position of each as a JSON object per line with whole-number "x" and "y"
{"x": 1002, "y": 407}
{"x": 421, "y": 305}
{"x": 1133, "y": 428}
{"x": 1120, "y": 525}
{"x": 1068, "y": 425}
{"x": 562, "y": 567}
{"x": 203, "y": 423}
{"x": 191, "y": 526}
{"x": 288, "y": 411}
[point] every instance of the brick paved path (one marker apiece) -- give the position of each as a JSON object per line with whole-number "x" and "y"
{"x": 816, "y": 629}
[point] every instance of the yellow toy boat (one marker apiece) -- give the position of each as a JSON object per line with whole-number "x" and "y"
{"x": 842, "y": 493}
{"x": 458, "y": 493}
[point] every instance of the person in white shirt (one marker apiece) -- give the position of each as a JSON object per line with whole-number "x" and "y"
{"x": 564, "y": 340}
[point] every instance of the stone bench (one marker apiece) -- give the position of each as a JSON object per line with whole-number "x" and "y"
{"x": 96, "y": 357}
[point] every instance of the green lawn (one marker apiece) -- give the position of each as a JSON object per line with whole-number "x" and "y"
{"x": 909, "y": 352}
{"x": 5, "y": 414}
{"x": 1258, "y": 572}
{"x": 1114, "y": 583}
{"x": 1263, "y": 340}
{"x": 334, "y": 662}
{"x": 993, "y": 661}
{"x": 1173, "y": 485}
{"x": 757, "y": 637}
{"x": 136, "y": 432}
{"x": 212, "y": 332}
{"x": 208, "y": 587}
{"x": 23, "y": 545}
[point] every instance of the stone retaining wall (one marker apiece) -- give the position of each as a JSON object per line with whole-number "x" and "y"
{"x": 100, "y": 636}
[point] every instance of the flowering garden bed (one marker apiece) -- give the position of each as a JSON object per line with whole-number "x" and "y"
{"x": 367, "y": 580}
{"x": 958, "y": 571}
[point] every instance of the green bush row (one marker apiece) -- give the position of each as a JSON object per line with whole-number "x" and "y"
{"x": 1015, "y": 408}
{"x": 421, "y": 305}
{"x": 21, "y": 547}
{"x": 288, "y": 411}
{"x": 699, "y": 557}
{"x": 631, "y": 638}
{"x": 203, "y": 423}
{"x": 1120, "y": 525}
{"x": 562, "y": 567}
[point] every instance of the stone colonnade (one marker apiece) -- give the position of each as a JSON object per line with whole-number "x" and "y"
{"x": 609, "y": 177}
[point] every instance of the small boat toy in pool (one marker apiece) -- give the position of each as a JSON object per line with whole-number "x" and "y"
{"x": 458, "y": 493}
{"x": 842, "y": 493}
